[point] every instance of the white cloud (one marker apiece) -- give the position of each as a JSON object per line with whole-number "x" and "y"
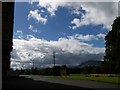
{"x": 76, "y": 11}
{"x": 50, "y": 5}
{"x": 19, "y": 33}
{"x": 36, "y": 15}
{"x": 96, "y": 12}
{"x": 87, "y": 37}
{"x": 100, "y": 35}
{"x": 68, "y": 51}
{"x": 29, "y": 36}
{"x": 61, "y": 34}
{"x": 76, "y": 23}
{"x": 31, "y": 1}
{"x": 31, "y": 28}
{"x": 82, "y": 37}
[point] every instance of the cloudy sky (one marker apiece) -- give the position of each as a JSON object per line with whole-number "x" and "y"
{"x": 74, "y": 30}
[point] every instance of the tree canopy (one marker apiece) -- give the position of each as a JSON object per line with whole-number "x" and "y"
{"x": 112, "y": 53}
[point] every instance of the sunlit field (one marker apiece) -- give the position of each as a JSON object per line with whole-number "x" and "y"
{"x": 109, "y": 78}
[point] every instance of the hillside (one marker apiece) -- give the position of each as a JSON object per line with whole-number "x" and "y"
{"x": 90, "y": 63}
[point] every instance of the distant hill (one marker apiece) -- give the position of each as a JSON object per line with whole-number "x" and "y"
{"x": 90, "y": 63}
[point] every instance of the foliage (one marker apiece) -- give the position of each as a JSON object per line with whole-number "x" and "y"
{"x": 112, "y": 54}
{"x": 56, "y": 70}
{"x": 64, "y": 70}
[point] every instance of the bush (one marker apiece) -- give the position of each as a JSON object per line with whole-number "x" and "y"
{"x": 86, "y": 75}
{"x": 97, "y": 76}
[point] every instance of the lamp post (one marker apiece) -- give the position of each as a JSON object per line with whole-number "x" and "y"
{"x": 33, "y": 63}
{"x": 54, "y": 58}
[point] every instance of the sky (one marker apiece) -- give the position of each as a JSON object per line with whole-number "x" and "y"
{"x": 74, "y": 30}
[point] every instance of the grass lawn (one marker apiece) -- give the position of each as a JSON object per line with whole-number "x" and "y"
{"x": 95, "y": 77}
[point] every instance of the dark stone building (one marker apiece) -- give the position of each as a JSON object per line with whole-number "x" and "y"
{"x": 7, "y": 35}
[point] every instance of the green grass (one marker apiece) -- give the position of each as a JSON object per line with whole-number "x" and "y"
{"x": 94, "y": 77}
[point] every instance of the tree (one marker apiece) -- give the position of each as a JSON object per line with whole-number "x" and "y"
{"x": 112, "y": 52}
{"x": 64, "y": 70}
{"x": 56, "y": 70}
{"x": 96, "y": 69}
{"x": 87, "y": 69}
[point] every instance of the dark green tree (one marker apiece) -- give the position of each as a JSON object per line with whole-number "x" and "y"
{"x": 56, "y": 70}
{"x": 112, "y": 54}
{"x": 64, "y": 70}
{"x": 87, "y": 69}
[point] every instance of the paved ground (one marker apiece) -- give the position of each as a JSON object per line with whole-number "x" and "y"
{"x": 45, "y": 82}
{"x": 29, "y": 83}
{"x": 79, "y": 83}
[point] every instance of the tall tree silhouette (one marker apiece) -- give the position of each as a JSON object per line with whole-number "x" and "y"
{"x": 112, "y": 53}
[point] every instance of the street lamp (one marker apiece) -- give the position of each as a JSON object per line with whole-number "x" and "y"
{"x": 54, "y": 58}
{"x": 33, "y": 63}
